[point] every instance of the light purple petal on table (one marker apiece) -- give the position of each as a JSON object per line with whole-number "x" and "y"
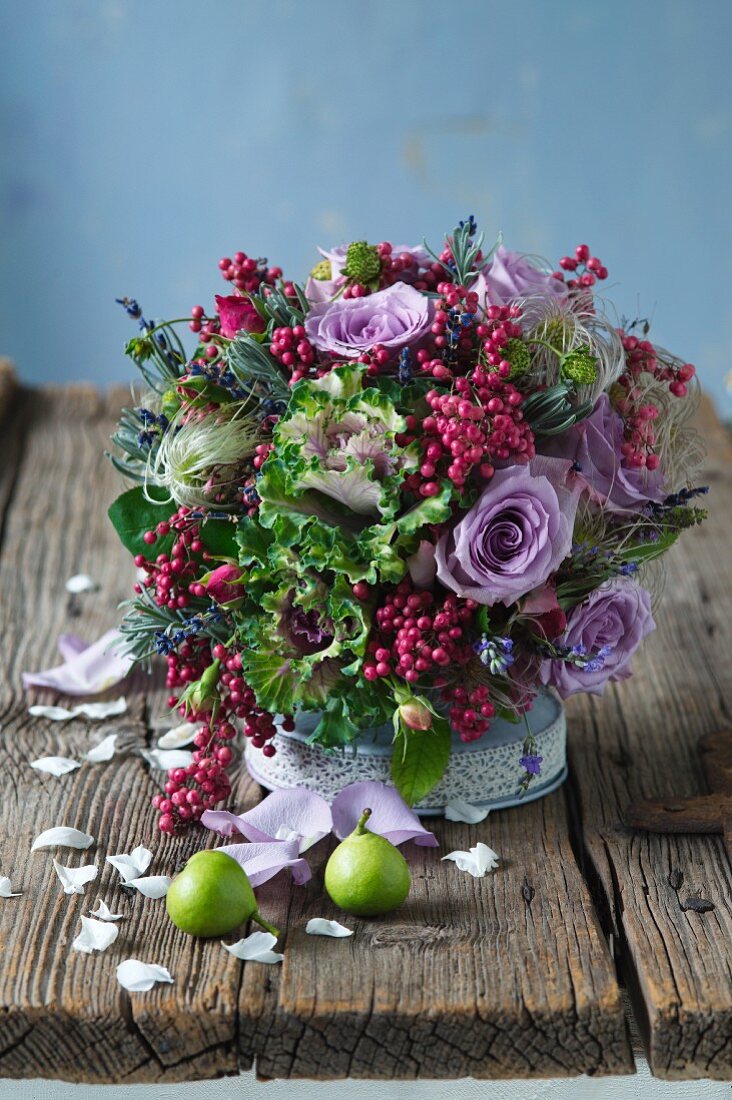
{"x": 222, "y": 822}
{"x": 94, "y": 669}
{"x": 294, "y": 814}
{"x": 263, "y": 861}
{"x": 70, "y": 646}
{"x": 390, "y": 815}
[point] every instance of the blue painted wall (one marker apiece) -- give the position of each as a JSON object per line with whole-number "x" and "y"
{"x": 143, "y": 139}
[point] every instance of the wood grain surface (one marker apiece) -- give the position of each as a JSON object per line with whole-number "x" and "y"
{"x": 509, "y": 975}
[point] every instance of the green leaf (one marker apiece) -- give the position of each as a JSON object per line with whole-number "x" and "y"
{"x": 647, "y": 551}
{"x": 420, "y": 759}
{"x": 430, "y": 510}
{"x": 132, "y": 514}
{"x": 335, "y": 728}
{"x": 219, "y": 537}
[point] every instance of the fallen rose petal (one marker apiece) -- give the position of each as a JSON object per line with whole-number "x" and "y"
{"x": 222, "y": 822}
{"x": 263, "y": 861}
{"x": 55, "y": 765}
{"x": 70, "y": 646}
{"x": 62, "y": 837}
{"x": 458, "y": 810}
{"x": 74, "y": 879}
{"x": 103, "y": 751}
{"x": 131, "y": 865}
{"x": 6, "y": 890}
{"x": 477, "y": 861}
{"x": 103, "y": 912}
{"x": 179, "y": 736}
{"x": 319, "y": 926}
{"x": 255, "y": 948}
{"x": 293, "y": 814}
{"x": 390, "y": 815}
{"x": 95, "y": 935}
{"x": 81, "y": 582}
{"x": 163, "y": 760}
{"x": 156, "y": 886}
{"x": 138, "y": 977}
{"x": 91, "y": 670}
{"x": 83, "y": 710}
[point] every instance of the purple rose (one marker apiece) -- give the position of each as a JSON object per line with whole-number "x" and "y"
{"x": 511, "y": 275}
{"x": 605, "y": 630}
{"x": 515, "y": 535}
{"x": 347, "y": 327}
{"x": 594, "y": 446}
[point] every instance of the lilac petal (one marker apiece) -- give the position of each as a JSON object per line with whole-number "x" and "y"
{"x": 91, "y": 671}
{"x": 222, "y": 822}
{"x": 70, "y": 646}
{"x": 293, "y": 814}
{"x": 390, "y": 815}
{"x": 263, "y": 861}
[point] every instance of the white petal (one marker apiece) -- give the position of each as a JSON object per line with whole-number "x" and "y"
{"x": 477, "y": 861}
{"x": 156, "y": 886}
{"x": 80, "y": 582}
{"x": 319, "y": 926}
{"x": 132, "y": 865}
{"x": 172, "y": 758}
{"x": 457, "y": 810}
{"x": 255, "y": 948}
{"x": 103, "y": 912}
{"x": 103, "y": 751}
{"x": 73, "y": 879}
{"x": 62, "y": 837}
{"x": 95, "y": 935}
{"x": 56, "y": 714}
{"x": 6, "y": 890}
{"x": 55, "y": 765}
{"x": 101, "y": 710}
{"x": 85, "y": 710}
{"x": 138, "y": 977}
{"x": 179, "y": 736}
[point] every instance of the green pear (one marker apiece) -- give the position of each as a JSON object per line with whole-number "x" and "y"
{"x": 212, "y": 895}
{"x": 366, "y": 875}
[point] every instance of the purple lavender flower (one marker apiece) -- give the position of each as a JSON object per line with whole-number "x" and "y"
{"x": 594, "y": 446}
{"x": 531, "y": 763}
{"x": 610, "y": 625}
{"x": 396, "y": 317}
{"x": 514, "y": 537}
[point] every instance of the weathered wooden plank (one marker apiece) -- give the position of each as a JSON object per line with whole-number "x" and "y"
{"x": 471, "y": 977}
{"x": 506, "y": 976}
{"x": 641, "y": 741}
{"x": 63, "y": 1014}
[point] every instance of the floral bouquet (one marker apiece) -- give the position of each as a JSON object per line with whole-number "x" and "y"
{"x": 419, "y": 489}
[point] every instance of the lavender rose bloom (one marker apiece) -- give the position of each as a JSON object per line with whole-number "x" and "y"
{"x": 612, "y": 622}
{"x": 514, "y": 537}
{"x": 511, "y": 275}
{"x": 395, "y": 317}
{"x": 594, "y": 446}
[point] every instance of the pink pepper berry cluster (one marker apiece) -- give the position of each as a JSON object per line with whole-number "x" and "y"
{"x": 453, "y": 333}
{"x": 468, "y": 428}
{"x": 404, "y": 267}
{"x": 291, "y": 347}
{"x": 415, "y": 634}
{"x": 171, "y": 575}
{"x": 205, "y": 782}
{"x": 588, "y": 268}
{"x": 248, "y": 274}
{"x": 641, "y": 357}
{"x": 498, "y": 329}
{"x": 470, "y": 712}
